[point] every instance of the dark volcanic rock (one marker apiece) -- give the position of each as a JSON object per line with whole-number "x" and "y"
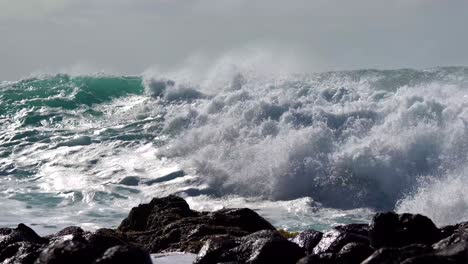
{"x": 22, "y": 233}
{"x": 102, "y": 246}
{"x": 215, "y": 248}
{"x": 20, "y": 245}
{"x": 323, "y": 258}
{"x": 20, "y": 253}
{"x": 334, "y": 240}
{"x": 71, "y": 230}
{"x": 267, "y": 246}
{"x": 70, "y": 245}
{"x": 124, "y": 255}
{"x": 158, "y": 213}
{"x": 73, "y": 251}
{"x": 397, "y": 255}
{"x": 308, "y": 240}
{"x": 168, "y": 224}
{"x": 354, "y": 253}
{"x": 393, "y": 230}
{"x": 238, "y": 236}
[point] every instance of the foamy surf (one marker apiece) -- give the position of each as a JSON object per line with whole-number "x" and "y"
{"x": 304, "y": 150}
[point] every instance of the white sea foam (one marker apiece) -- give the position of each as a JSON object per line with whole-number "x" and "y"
{"x": 305, "y": 150}
{"x": 346, "y": 139}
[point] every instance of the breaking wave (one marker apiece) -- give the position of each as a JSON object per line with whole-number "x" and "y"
{"x": 381, "y": 139}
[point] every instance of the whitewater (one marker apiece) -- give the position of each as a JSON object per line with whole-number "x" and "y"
{"x": 304, "y": 150}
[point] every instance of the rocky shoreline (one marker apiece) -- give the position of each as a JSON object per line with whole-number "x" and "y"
{"x": 238, "y": 236}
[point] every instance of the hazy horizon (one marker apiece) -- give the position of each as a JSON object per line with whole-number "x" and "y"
{"x": 129, "y": 37}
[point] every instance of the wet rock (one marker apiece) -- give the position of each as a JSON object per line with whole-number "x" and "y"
{"x": 354, "y": 253}
{"x": 456, "y": 253}
{"x": 397, "y": 255}
{"x": 237, "y": 236}
{"x": 458, "y": 234}
{"x": 104, "y": 238}
{"x": 70, "y": 245}
{"x": 168, "y": 224}
{"x": 22, "y": 233}
{"x": 124, "y": 255}
{"x": 267, "y": 246}
{"x": 215, "y": 248}
{"x": 71, "y": 230}
{"x": 323, "y": 258}
{"x": 86, "y": 247}
{"x": 394, "y": 230}
{"x": 358, "y": 229}
{"x": 308, "y": 240}
{"x": 20, "y": 245}
{"x": 156, "y": 214}
{"x": 454, "y": 247}
{"x": 20, "y": 253}
{"x": 334, "y": 240}
{"x": 384, "y": 256}
{"x": 73, "y": 251}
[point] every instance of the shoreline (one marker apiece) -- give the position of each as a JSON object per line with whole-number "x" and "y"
{"x": 238, "y": 236}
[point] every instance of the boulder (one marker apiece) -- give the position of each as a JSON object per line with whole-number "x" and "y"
{"x": 168, "y": 224}
{"x": 334, "y": 240}
{"x": 72, "y": 251}
{"x": 20, "y": 244}
{"x": 353, "y": 253}
{"x": 124, "y": 255}
{"x": 20, "y": 253}
{"x": 308, "y": 240}
{"x": 397, "y": 255}
{"x": 267, "y": 246}
{"x": 322, "y": 258}
{"x": 394, "y": 230}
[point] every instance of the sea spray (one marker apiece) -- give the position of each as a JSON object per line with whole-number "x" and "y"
{"x": 242, "y": 134}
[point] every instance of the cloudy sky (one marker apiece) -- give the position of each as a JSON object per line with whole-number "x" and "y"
{"x": 129, "y": 36}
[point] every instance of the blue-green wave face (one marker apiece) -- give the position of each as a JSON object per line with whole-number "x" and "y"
{"x": 63, "y": 92}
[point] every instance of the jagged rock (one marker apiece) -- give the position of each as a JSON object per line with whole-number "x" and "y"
{"x": 393, "y": 230}
{"x": 397, "y": 255}
{"x": 72, "y": 251}
{"x": 71, "y": 230}
{"x": 308, "y": 240}
{"x": 168, "y": 224}
{"x": 267, "y": 246}
{"x": 85, "y": 247}
{"x": 335, "y": 239}
{"x": 353, "y": 253}
{"x": 237, "y": 236}
{"x": 20, "y": 245}
{"x": 322, "y": 258}
{"x": 358, "y": 229}
{"x": 22, "y": 233}
{"x": 124, "y": 255}
{"x": 20, "y": 253}
{"x": 215, "y": 248}
{"x": 104, "y": 238}
{"x": 418, "y": 254}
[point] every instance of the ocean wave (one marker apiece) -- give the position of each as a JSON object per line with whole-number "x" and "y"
{"x": 345, "y": 139}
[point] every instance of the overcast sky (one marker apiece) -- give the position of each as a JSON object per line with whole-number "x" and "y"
{"x": 129, "y": 36}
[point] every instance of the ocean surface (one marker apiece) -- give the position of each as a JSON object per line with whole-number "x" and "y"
{"x": 303, "y": 150}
